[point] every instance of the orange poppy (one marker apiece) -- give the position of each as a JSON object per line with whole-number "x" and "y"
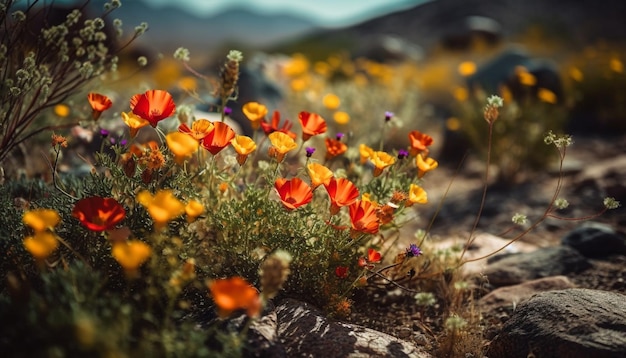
{"x": 163, "y": 206}
{"x": 41, "y": 245}
{"x": 419, "y": 142}
{"x": 153, "y": 106}
{"x": 243, "y": 145}
{"x": 334, "y": 147}
{"x": 181, "y": 145}
{"x": 41, "y": 219}
{"x": 365, "y": 153}
{"x": 281, "y": 144}
{"x": 425, "y": 165}
{"x": 319, "y": 174}
{"x": 293, "y": 193}
{"x": 98, "y": 214}
{"x": 134, "y": 122}
{"x": 199, "y": 129}
{"x": 255, "y": 112}
{"x": 233, "y": 294}
{"x": 417, "y": 195}
{"x": 99, "y": 103}
{"x": 272, "y": 127}
{"x": 363, "y": 217}
{"x": 381, "y": 160}
{"x": 312, "y": 124}
{"x": 218, "y": 138}
{"x": 342, "y": 192}
{"x": 131, "y": 254}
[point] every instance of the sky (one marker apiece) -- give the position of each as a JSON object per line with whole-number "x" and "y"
{"x": 327, "y": 12}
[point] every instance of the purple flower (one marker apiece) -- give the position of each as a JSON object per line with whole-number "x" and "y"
{"x": 309, "y": 151}
{"x": 402, "y": 154}
{"x": 112, "y": 140}
{"x": 104, "y": 132}
{"x": 388, "y": 116}
{"x": 339, "y": 136}
{"x": 228, "y": 111}
{"x": 413, "y": 250}
{"x": 123, "y": 142}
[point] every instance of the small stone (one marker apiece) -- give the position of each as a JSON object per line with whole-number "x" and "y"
{"x": 594, "y": 239}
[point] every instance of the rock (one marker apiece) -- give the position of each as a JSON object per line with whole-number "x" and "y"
{"x": 544, "y": 262}
{"x": 569, "y": 323}
{"x": 388, "y": 49}
{"x": 596, "y": 240}
{"x": 306, "y": 332}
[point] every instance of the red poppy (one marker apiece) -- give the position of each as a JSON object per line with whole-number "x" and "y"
{"x": 334, "y": 147}
{"x": 153, "y": 106}
{"x": 342, "y": 192}
{"x": 341, "y": 271}
{"x": 99, "y": 103}
{"x": 419, "y": 142}
{"x": 218, "y": 138}
{"x": 363, "y": 217}
{"x": 98, "y": 214}
{"x": 312, "y": 124}
{"x": 373, "y": 256}
{"x": 293, "y": 193}
{"x": 272, "y": 127}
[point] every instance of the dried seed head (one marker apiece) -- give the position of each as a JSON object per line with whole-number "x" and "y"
{"x": 274, "y": 272}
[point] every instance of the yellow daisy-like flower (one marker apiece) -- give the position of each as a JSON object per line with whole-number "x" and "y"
{"x": 181, "y": 145}
{"x": 41, "y": 245}
{"x": 243, "y": 145}
{"x": 193, "y": 209}
{"x": 255, "y": 112}
{"x": 331, "y": 101}
{"x": 41, "y": 219}
{"x": 381, "y": 160}
{"x": 131, "y": 254}
{"x": 319, "y": 174}
{"x": 365, "y": 152}
{"x": 163, "y": 207}
{"x": 281, "y": 144}
{"x": 417, "y": 195}
{"x": 425, "y": 165}
{"x": 134, "y": 122}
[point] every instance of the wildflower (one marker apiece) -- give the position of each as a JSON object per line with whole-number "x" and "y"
{"x": 402, "y": 153}
{"x": 419, "y": 142}
{"x": 334, "y": 147}
{"x": 41, "y": 245}
{"x": 466, "y": 68}
{"x": 312, "y": 124}
{"x": 365, "y": 152}
{"x": 417, "y": 195}
{"x": 610, "y": 203}
{"x": 255, "y": 112}
{"x": 341, "y": 271}
{"x": 413, "y": 251}
{"x": 153, "y": 106}
{"x": 227, "y": 111}
{"x": 62, "y": 110}
{"x": 425, "y": 299}
{"x": 309, "y": 151}
{"x": 193, "y": 209}
{"x": 525, "y": 78}
{"x": 293, "y": 193}
{"x": 181, "y": 145}
{"x": 425, "y": 165}
{"x": 230, "y": 73}
{"x": 331, "y": 101}
{"x": 131, "y": 255}
{"x": 243, "y": 145}
{"x": 41, "y": 219}
{"x": 363, "y": 217}
{"x": 373, "y": 256}
{"x": 491, "y": 112}
{"x": 199, "y": 129}
{"x": 319, "y": 174}
{"x": 281, "y": 144}
{"x": 519, "y": 219}
{"x": 561, "y": 203}
{"x": 233, "y": 294}
{"x": 616, "y": 65}
{"x": 388, "y": 116}
{"x": 58, "y": 140}
{"x": 495, "y": 101}
{"x": 273, "y": 126}
{"x": 547, "y": 96}
{"x": 385, "y": 213}
{"x": 273, "y": 273}
{"x": 151, "y": 157}
{"x": 134, "y": 122}
{"x": 381, "y": 160}
{"x": 218, "y": 138}
{"x": 99, "y": 103}
{"x": 455, "y": 323}
{"x": 342, "y": 192}
{"x": 162, "y": 207}
{"x": 341, "y": 117}
{"x": 98, "y": 214}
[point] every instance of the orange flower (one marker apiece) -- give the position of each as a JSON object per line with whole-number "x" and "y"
{"x": 151, "y": 156}
{"x": 365, "y": 152}
{"x": 99, "y": 103}
{"x": 293, "y": 193}
{"x": 342, "y": 192}
{"x": 41, "y": 219}
{"x": 193, "y": 209}
{"x": 331, "y": 101}
{"x": 255, "y": 112}
{"x": 281, "y": 144}
{"x": 334, "y": 147}
{"x": 381, "y": 160}
{"x": 373, "y": 256}
{"x": 363, "y": 217}
{"x": 199, "y": 129}
{"x": 181, "y": 145}
{"x": 41, "y": 245}
{"x": 312, "y": 124}
{"x": 218, "y": 138}
{"x": 243, "y": 145}
{"x": 98, "y": 214}
{"x": 233, "y": 294}
{"x": 153, "y": 106}
{"x": 417, "y": 195}
{"x": 162, "y": 207}
{"x": 419, "y": 142}
{"x": 131, "y": 254}
{"x": 134, "y": 122}
{"x": 425, "y": 165}
{"x": 319, "y": 174}
{"x": 272, "y": 127}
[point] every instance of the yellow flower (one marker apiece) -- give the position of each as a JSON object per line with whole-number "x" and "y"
{"x": 425, "y": 165}
{"x": 331, "y": 101}
{"x": 545, "y": 95}
{"x": 467, "y": 68}
{"x": 381, "y": 160}
{"x": 281, "y": 144}
{"x": 576, "y": 74}
{"x": 365, "y": 152}
{"x": 243, "y": 145}
{"x": 526, "y": 78}
{"x": 131, "y": 254}
{"x": 41, "y": 219}
{"x": 41, "y": 245}
{"x": 255, "y": 112}
{"x": 461, "y": 94}
{"x": 162, "y": 207}
{"x": 341, "y": 117}
{"x": 193, "y": 209}
{"x": 616, "y": 65}
{"x": 453, "y": 124}
{"x": 62, "y": 110}
{"x": 181, "y": 145}
{"x": 417, "y": 195}
{"x": 319, "y": 174}
{"x": 134, "y": 122}
{"x": 298, "y": 65}
{"x": 188, "y": 83}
